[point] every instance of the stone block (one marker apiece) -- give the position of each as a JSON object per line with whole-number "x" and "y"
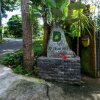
{"x": 60, "y": 70}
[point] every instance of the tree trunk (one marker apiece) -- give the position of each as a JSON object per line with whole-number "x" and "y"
{"x": 0, "y": 23}
{"x": 45, "y": 38}
{"x": 27, "y": 37}
{"x": 77, "y": 46}
{"x": 45, "y": 41}
{"x": 93, "y": 49}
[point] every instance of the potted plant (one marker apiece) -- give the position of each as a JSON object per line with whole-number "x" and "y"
{"x": 85, "y": 40}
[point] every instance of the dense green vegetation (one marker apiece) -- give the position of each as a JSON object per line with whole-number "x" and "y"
{"x": 6, "y": 5}
{"x": 15, "y": 26}
{"x": 15, "y": 60}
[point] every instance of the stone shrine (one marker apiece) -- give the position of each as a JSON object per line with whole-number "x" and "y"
{"x": 58, "y": 47}
{"x": 60, "y": 64}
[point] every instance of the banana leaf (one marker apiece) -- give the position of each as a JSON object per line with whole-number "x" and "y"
{"x": 51, "y": 3}
{"x": 58, "y": 8}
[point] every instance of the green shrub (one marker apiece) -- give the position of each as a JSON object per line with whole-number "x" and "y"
{"x": 8, "y": 59}
{"x": 13, "y": 59}
{"x": 38, "y": 47}
{"x": 15, "y": 26}
{"x": 20, "y": 70}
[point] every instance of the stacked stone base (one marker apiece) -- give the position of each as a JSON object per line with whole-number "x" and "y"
{"x": 60, "y": 70}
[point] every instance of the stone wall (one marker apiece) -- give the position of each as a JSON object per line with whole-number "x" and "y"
{"x": 60, "y": 70}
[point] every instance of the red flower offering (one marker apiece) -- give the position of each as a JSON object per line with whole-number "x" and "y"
{"x": 65, "y": 57}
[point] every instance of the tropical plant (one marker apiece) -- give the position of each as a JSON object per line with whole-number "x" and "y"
{"x": 57, "y": 9}
{"x": 81, "y": 20}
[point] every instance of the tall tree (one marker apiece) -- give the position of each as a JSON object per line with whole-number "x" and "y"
{"x": 5, "y": 5}
{"x": 27, "y": 36}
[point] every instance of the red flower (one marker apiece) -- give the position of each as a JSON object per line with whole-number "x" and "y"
{"x": 65, "y": 57}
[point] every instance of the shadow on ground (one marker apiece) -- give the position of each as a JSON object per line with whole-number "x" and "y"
{"x": 89, "y": 89}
